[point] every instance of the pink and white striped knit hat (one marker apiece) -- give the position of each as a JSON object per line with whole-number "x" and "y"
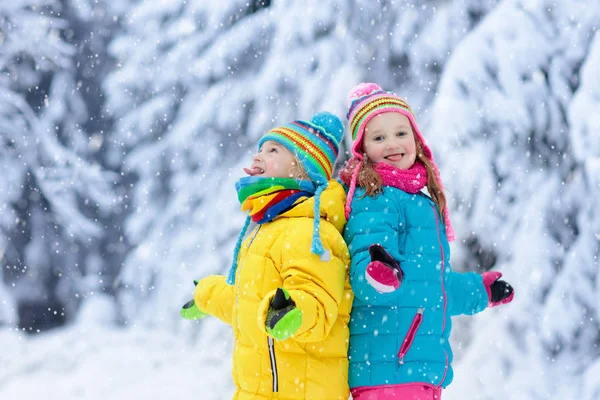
{"x": 365, "y": 101}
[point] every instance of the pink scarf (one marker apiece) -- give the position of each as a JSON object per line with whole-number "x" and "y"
{"x": 410, "y": 180}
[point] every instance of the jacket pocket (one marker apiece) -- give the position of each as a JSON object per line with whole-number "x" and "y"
{"x": 410, "y": 335}
{"x": 275, "y": 377}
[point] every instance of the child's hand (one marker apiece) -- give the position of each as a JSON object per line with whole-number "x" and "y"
{"x": 190, "y": 311}
{"x": 383, "y": 272}
{"x": 283, "y": 319}
{"x": 498, "y": 291}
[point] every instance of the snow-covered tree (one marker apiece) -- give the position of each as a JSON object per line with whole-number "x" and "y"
{"x": 516, "y": 119}
{"x": 51, "y": 193}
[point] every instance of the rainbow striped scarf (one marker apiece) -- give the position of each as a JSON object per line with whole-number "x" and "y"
{"x": 266, "y": 198}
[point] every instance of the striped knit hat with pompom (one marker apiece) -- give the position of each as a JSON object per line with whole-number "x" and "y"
{"x": 316, "y": 143}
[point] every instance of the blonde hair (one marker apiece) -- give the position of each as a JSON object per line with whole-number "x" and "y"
{"x": 370, "y": 180}
{"x": 297, "y": 170}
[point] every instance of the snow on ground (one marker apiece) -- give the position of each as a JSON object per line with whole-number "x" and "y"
{"x": 96, "y": 362}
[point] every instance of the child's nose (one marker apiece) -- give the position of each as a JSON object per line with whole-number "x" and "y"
{"x": 256, "y": 157}
{"x": 394, "y": 143}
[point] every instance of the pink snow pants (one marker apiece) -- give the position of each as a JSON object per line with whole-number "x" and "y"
{"x": 397, "y": 392}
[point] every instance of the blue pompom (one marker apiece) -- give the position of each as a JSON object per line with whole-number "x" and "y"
{"x": 332, "y": 124}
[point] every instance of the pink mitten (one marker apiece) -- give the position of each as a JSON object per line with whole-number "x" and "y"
{"x": 383, "y": 272}
{"x": 498, "y": 291}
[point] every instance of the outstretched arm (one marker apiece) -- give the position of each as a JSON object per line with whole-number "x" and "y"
{"x": 214, "y": 296}
{"x": 466, "y": 293}
{"x": 471, "y": 293}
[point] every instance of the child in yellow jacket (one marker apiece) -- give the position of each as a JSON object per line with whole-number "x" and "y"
{"x": 287, "y": 296}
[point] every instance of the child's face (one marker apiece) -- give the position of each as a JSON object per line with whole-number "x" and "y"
{"x": 274, "y": 161}
{"x": 389, "y": 138}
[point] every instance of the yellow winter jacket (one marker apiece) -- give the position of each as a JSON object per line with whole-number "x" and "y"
{"x": 313, "y": 363}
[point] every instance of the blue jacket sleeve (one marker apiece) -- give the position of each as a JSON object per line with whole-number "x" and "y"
{"x": 372, "y": 221}
{"x": 466, "y": 293}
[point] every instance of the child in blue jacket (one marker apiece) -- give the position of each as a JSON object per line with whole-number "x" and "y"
{"x": 404, "y": 287}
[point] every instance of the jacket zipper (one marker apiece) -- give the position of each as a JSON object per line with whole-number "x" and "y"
{"x": 410, "y": 336}
{"x": 437, "y": 225}
{"x": 271, "y": 342}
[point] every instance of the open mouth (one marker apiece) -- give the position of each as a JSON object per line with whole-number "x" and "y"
{"x": 394, "y": 157}
{"x": 254, "y": 170}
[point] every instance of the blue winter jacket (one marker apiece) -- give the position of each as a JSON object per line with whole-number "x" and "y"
{"x": 402, "y": 337}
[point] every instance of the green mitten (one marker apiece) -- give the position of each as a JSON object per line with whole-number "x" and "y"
{"x": 190, "y": 311}
{"x": 283, "y": 318}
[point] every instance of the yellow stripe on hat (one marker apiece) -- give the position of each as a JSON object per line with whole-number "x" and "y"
{"x": 383, "y": 99}
{"x": 306, "y": 144}
{"x": 370, "y": 106}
